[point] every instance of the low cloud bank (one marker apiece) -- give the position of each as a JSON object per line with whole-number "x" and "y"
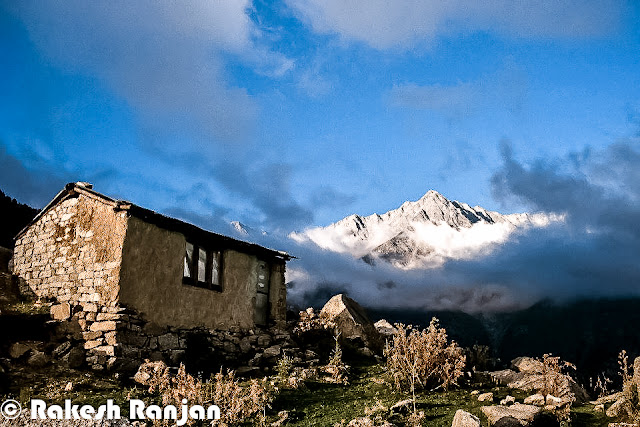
{"x": 592, "y": 253}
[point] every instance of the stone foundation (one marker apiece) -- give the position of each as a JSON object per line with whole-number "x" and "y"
{"x": 117, "y": 338}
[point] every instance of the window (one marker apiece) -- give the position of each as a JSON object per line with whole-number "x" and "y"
{"x": 202, "y": 267}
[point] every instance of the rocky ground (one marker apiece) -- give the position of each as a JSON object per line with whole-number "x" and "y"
{"x": 37, "y": 361}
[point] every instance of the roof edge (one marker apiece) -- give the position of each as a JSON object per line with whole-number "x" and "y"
{"x": 160, "y": 220}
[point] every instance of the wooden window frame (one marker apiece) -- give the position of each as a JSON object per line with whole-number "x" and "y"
{"x": 196, "y": 281}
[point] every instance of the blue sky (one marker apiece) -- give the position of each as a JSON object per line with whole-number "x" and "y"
{"x": 284, "y": 115}
{"x": 293, "y": 114}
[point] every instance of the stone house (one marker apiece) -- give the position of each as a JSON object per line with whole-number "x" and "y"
{"x": 132, "y": 283}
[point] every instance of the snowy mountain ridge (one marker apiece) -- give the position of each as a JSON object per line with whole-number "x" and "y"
{"x": 422, "y": 234}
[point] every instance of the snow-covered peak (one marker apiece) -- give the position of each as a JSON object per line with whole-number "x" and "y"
{"x": 422, "y": 233}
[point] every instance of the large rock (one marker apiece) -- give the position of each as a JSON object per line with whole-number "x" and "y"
{"x": 506, "y": 376}
{"x": 485, "y": 397}
{"x": 465, "y": 419}
{"x": 60, "y": 311}
{"x": 385, "y": 328}
{"x": 536, "y": 382}
{"x": 535, "y": 399}
{"x": 149, "y": 371}
{"x": 38, "y": 359}
{"x": 527, "y": 365}
{"x": 75, "y": 358}
{"x": 351, "y": 321}
{"x": 523, "y": 413}
{"x": 18, "y": 350}
{"x": 545, "y": 419}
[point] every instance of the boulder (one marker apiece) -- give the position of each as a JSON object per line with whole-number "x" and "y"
{"x": 465, "y": 419}
{"x": 509, "y": 400}
{"x": 535, "y": 399}
{"x": 485, "y": 397}
{"x": 544, "y": 419}
{"x": 60, "y": 311}
{"x": 60, "y": 350}
{"x": 351, "y": 321}
{"x": 38, "y": 359}
{"x": 272, "y": 352}
{"x": 536, "y": 382}
{"x": 75, "y": 358}
{"x": 18, "y": 350}
{"x": 523, "y": 413}
{"x": 506, "y": 376}
{"x": 609, "y": 399}
{"x": 385, "y": 328}
{"x": 527, "y": 365}
{"x": 620, "y": 408}
{"x": 149, "y": 370}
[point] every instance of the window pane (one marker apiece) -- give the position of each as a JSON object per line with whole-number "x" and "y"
{"x": 202, "y": 263}
{"x": 188, "y": 260}
{"x": 263, "y": 277}
{"x": 215, "y": 268}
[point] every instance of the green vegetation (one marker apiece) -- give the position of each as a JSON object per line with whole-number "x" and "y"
{"x": 315, "y": 404}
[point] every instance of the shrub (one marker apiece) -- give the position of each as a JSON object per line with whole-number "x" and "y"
{"x": 238, "y": 403}
{"x": 630, "y": 388}
{"x": 336, "y": 367}
{"x": 423, "y": 359}
{"x": 557, "y": 384}
{"x": 287, "y": 374}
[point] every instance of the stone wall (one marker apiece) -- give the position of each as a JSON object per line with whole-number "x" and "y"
{"x": 73, "y": 252}
{"x": 255, "y": 350}
{"x": 72, "y": 255}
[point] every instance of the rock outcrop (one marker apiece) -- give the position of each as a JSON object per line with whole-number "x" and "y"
{"x": 351, "y": 321}
{"x": 523, "y": 413}
{"x": 529, "y": 374}
{"x": 465, "y": 419}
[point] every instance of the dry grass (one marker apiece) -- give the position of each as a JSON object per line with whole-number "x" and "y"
{"x": 630, "y": 388}
{"x": 423, "y": 359}
{"x": 310, "y": 321}
{"x": 238, "y": 403}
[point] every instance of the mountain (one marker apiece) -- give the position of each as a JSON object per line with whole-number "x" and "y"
{"x": 422, "y": 234}
{"x": 15, "y": 216}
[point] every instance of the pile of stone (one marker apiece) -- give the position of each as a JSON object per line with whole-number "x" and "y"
{"x": 624, "y": 404}
{"x": 39, "y": 354}
{"x": 250, "y": 351}
{"x": 95, "y": 325}
{"x": 528, "y": 374}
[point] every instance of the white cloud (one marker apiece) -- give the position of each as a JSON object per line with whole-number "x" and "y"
{"x": 166, "y": 59}
{"x": 386, "y": 24}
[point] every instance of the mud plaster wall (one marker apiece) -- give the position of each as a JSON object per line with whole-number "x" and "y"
{"x": 151, "y": 283}
{"x": 73, "y": 253}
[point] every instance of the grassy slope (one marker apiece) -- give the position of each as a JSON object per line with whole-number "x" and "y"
{"x": 328, "y": 404}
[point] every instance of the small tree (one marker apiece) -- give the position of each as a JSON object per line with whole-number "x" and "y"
{"x": 336, "y": 366}
{"x": 423, "y": 359}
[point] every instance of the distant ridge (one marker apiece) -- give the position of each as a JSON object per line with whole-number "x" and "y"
{"x": 15, "y": 216}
